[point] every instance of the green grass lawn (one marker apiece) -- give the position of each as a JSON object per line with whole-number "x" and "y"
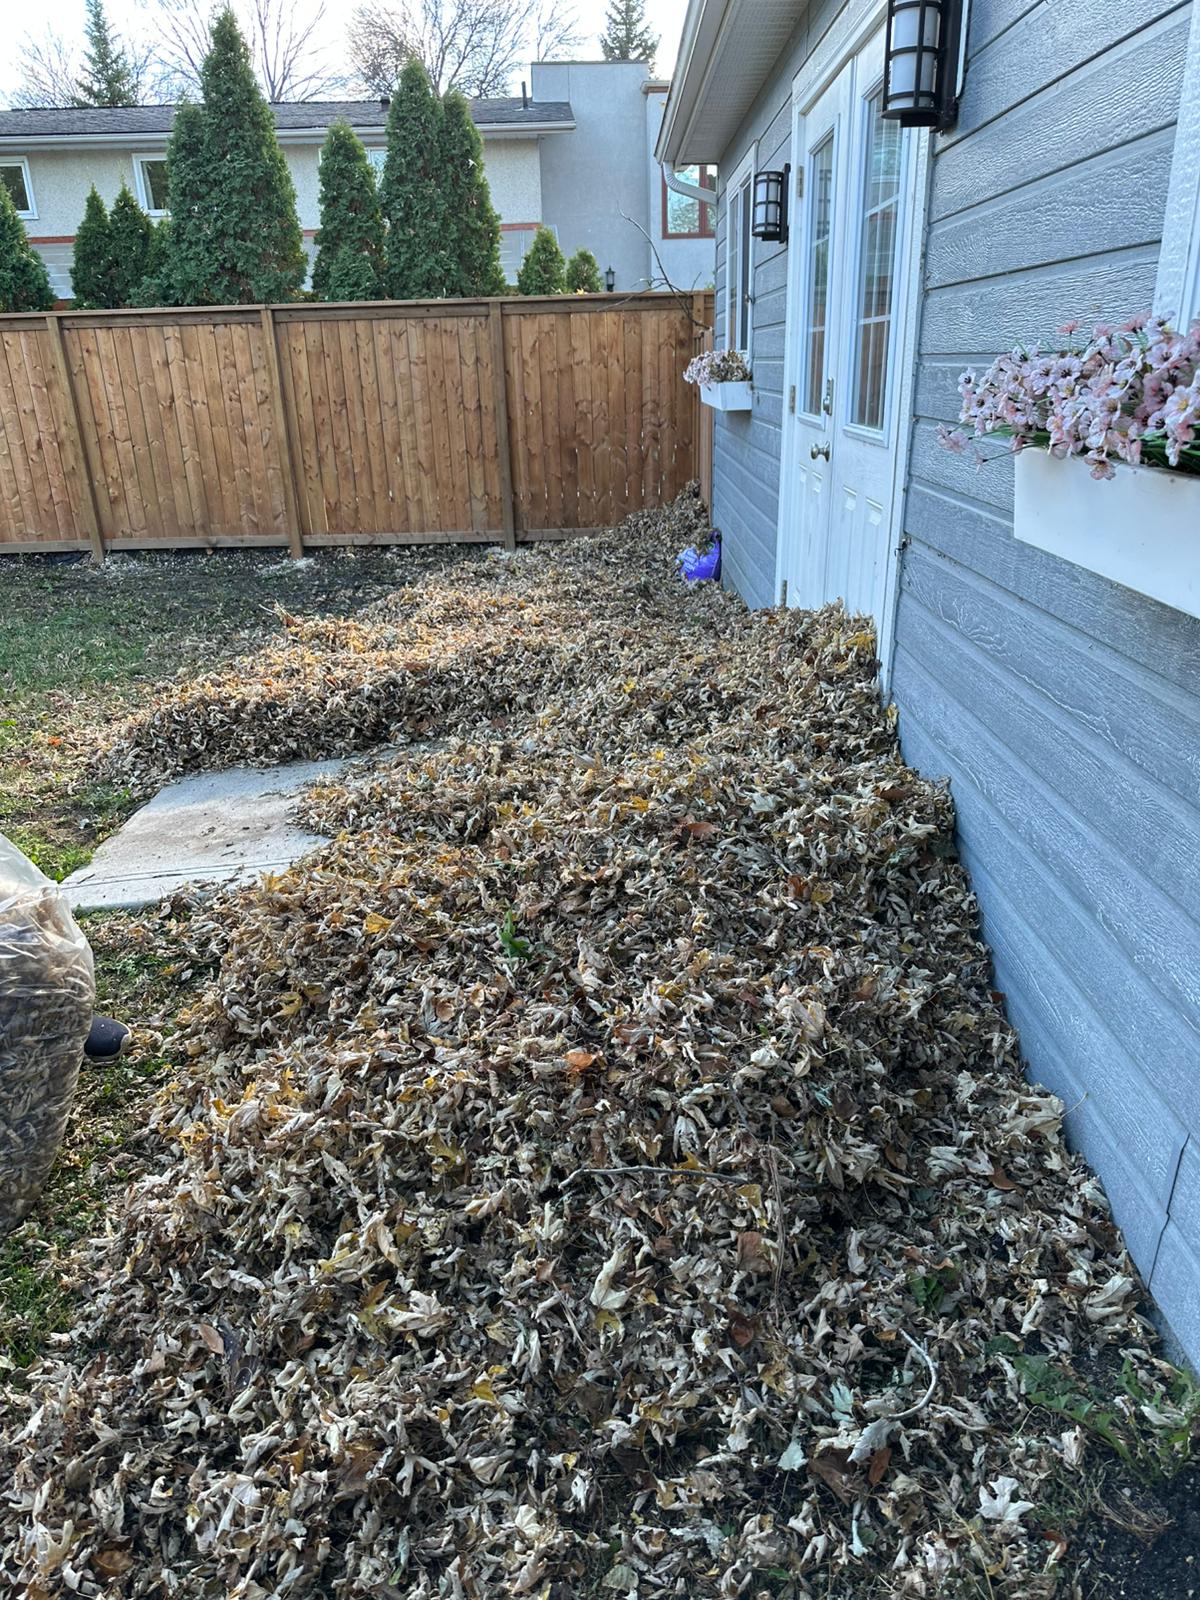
{"x": 80, "y": 647}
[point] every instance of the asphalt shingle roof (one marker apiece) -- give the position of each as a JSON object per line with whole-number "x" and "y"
{"x": 290, "y": 116}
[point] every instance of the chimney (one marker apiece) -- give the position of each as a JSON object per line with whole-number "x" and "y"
{"x": 524, "y": 96}
{"x": 384, "y": 102}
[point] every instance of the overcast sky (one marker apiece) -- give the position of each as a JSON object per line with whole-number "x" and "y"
{"x": 133, "y": 16}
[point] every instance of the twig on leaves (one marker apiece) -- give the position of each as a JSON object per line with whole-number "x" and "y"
{"x": 875, "y": 1435}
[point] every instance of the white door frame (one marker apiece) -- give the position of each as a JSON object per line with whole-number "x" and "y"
{"x": 861, "y": 20}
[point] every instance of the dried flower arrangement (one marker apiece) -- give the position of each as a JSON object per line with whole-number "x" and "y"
{"x": 604, "y": 1168}
{"x": 717, "y": 366}
{"x": 1131, "y": 395}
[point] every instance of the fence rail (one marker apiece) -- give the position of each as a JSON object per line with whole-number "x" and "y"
{"x": 303, "y": 425}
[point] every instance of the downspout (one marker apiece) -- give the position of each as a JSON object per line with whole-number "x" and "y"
{"x": 690, "y": 191}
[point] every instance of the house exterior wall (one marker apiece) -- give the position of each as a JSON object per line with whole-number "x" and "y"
{"x": 597, "y": 176}
{"x": 61, "y": 180}
{"x": 686, "y": 263}
{"x": 1064, "y": 709}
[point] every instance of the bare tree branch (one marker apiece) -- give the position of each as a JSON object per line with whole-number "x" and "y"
{"x": 284, "y": 39}
{"x": 471, "y": 45}
{"x": 556, "y": 34}
{"x": 48, "y": 68}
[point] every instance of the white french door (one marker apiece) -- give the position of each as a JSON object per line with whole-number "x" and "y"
{"x": 851, "y": 299}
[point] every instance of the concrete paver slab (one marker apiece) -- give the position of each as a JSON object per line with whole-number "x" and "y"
{"x": 217, "y": 827}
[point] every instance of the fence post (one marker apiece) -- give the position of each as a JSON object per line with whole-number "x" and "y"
{"x": 503, "y": 437}
{"x": 291, "y": 496}
{"x": 69, "y": 408}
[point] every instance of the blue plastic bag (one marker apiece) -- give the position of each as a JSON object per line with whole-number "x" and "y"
{"x": 697, "y": 567}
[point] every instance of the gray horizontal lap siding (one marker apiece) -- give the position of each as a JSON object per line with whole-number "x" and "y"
{"x": 1063, "y": 708}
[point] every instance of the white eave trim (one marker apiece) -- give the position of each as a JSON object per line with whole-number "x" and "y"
{"x": 701, "y": 25}
{"x": 729, "y": 50}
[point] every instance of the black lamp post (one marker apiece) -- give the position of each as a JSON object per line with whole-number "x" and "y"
{"x": 924, "y": 39}
{"x": 769, "y": 217}
{"x": 610, "y": 280}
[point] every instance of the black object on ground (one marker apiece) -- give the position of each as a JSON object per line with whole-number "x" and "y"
{"x": 107, "y": 1039}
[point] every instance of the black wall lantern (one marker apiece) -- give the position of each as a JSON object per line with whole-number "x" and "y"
{"x": 610, "y": 280}
{"x": 921, "y": 76}
{"x": 769, "y": 218}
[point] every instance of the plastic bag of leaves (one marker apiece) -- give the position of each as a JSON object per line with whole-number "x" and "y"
{"x": 702, "y": 560}
{"x": 47, "y": 990}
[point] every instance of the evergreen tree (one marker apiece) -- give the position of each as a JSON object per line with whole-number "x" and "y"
{"x": 156, "y": 288}
{"x": 235, "y": 238}
{"x": 110, "y": 78}
{"x": 543, "y": 270}
{"x": 583, "y": 273}
{"x": 472, "y": 232}
{"x": 626, "y": 36}
{"x": 91, "y": 268}
{"x": 130, "y": 233}
{"x": 350, "y": 275}
{"x": 412, "y": 194}
{"x": 351, "y": 221}
{"x": 183, "y": 265}
{"x": 24, "y": 282}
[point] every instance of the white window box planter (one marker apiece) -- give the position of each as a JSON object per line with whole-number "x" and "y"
{"x": 1140, "y": 528}
{"x": 728, "y": 396}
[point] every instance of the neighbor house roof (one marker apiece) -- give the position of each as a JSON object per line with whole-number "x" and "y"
{"x": 726, "y": 52}
{"x": 297, "y": 122}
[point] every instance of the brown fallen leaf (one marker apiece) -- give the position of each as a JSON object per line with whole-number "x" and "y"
{"x": 832, "y": 1467}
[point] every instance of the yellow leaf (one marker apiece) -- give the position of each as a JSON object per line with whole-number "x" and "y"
{"x": 607, "y": 1322}
{"x": 482, "y": 1390}
{"x": 374, "y": 923}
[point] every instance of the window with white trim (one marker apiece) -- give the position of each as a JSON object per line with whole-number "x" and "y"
{"x": 739, "y": 257}
{"x": 150, "y": 176}
{"x": 377, "y": 159}
{"x": 1177, "y": 294}
{"x": 14, "y": 175}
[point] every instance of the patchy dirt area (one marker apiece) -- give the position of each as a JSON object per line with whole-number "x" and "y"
{"x": 604, "y": 1169}
{"x": 81, "y": 646}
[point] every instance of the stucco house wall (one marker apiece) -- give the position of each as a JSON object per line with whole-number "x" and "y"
{"x": 596, "y": 180}
{"x": 1063, "y": 709}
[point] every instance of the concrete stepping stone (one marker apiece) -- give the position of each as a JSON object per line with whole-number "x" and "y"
{"x": 215, "y": 828}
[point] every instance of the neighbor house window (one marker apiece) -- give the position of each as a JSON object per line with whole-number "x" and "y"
{"x": 689, "y": 219}
{"x": 739, "y": 257}
{"x": 14, "y": 175}
{"x": 377, "y": 159}
{"x": 151, "y": 172}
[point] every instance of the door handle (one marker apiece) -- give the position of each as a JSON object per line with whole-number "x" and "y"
{"x": 820, "y": 451}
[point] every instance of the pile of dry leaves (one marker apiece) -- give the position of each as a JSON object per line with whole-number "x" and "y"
{"x": 603, "y": 1170}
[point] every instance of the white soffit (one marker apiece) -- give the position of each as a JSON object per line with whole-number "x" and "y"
{"x": 726, "y": 52}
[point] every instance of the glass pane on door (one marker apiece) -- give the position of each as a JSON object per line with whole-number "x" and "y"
{"x": 817, "y": 295}
{"x": 877, "y": 253}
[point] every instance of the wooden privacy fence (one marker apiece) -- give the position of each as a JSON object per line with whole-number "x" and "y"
{"x": 392, "y": 422}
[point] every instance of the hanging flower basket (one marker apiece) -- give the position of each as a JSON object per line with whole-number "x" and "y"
{"x": 724, "y": 380}
{"x": 1125, "y": 405}
{"x": 1141, "y": 527}
{"x": 728, "y": 396}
